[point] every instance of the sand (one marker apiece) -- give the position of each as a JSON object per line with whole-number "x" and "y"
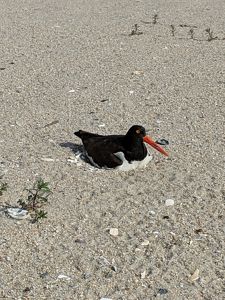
{"x": 70, "y": 65}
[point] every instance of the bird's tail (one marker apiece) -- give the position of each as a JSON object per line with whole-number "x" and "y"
{"x": 84, "y": 134}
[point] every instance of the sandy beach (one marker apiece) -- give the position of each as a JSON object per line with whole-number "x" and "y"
{"x": 70, "y": 65}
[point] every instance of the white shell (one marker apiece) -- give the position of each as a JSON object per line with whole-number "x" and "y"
{"x": 17, "y": 213}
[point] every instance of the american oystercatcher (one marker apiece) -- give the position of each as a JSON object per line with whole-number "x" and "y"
{"x": 124, "y": 152}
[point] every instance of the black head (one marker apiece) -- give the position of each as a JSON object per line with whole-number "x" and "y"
{"x": 136, "y": 135}
{"x": 137, "y": 132}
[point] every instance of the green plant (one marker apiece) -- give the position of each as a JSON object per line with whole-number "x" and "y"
{"x": 3, "y": 187}
{"x": 36, "y": 198}
{"x": 136, "y": 30}
{"x": 172, "y": 30}
{"x": 155, "y": 18}
{"x": 191, "y": 33}
{"x": 210, "y": 35}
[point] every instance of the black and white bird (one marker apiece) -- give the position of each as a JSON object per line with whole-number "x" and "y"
{"x": 124, "y": 152}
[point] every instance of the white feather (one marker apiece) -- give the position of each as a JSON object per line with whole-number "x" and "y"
{"x": 126, "y": 166}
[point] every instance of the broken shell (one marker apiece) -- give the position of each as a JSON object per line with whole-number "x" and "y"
{"x": 145, "y": 243}
{"x": 17, "y": 213}
{"x": 195, "y": 275}
{"x": 61, "y": 276}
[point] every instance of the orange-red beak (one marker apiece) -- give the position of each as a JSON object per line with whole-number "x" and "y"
{"x": 148, "y": 140}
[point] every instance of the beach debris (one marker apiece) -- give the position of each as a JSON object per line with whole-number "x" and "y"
{"x": 104, "y": 100}
{"x": 104, "y": 261}
{"x": 52, "y": 123}
{"x": 156, "y": 233}
{"x": 145, "y": 243}
{"x": 44, "y": 275}
{"x": 72, "y": 161}
{"x": 17, "y": 213}
{"x": 152, "y": 212}
{"x": 191, "y": 33}
{"x": 113, "y": 231}
{"x": 172, "y": 27}
{"x": 162, "y": 291}
{"x": 48, "y": 159}
{"x": 101, "y": 125}
{"x": 143, "y": 274}
{"x": 199, "y": 230}
{"x": 80, "y": 241}
{"x": 137, "y": 72}
{"x": 61, "y": 276}
{"x": 131, "y": 92}
{"x": 71, "y": 91}
{"x": 169, "y": 202}
{"x": 155, "y": 18}
{"x": 162, "y": 142}
{"x": 105, "y": 299}
{"x": 185, "y": 25}
{"x": 136, "y": 30}
{"x": 195, "y": 275}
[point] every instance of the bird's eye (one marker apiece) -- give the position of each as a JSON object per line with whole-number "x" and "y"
{"x": 138, "y": 131}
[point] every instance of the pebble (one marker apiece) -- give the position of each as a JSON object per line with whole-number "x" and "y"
{"x": 113, "y": 231}
{"x": 162, "y": 291}
{"x": 169, "y": 202}
{"x": 145, "y": 243}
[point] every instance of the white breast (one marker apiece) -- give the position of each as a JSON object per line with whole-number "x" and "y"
{"x": 126, "y": 166}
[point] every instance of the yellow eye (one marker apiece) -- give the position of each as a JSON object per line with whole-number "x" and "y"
{"x": 138, "y": 131}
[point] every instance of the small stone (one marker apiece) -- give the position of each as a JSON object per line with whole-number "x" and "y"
{"x": 195, "y": 275}
{"x": 113, "y": 231}
{"x": 145, "y": 243}
{"x": 169, "y": 202}
{"x": 162, "y": 291}
{"x": 152, "y": 212}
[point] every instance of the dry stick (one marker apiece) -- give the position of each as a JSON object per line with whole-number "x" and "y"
{"x": 172, "y": 30}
